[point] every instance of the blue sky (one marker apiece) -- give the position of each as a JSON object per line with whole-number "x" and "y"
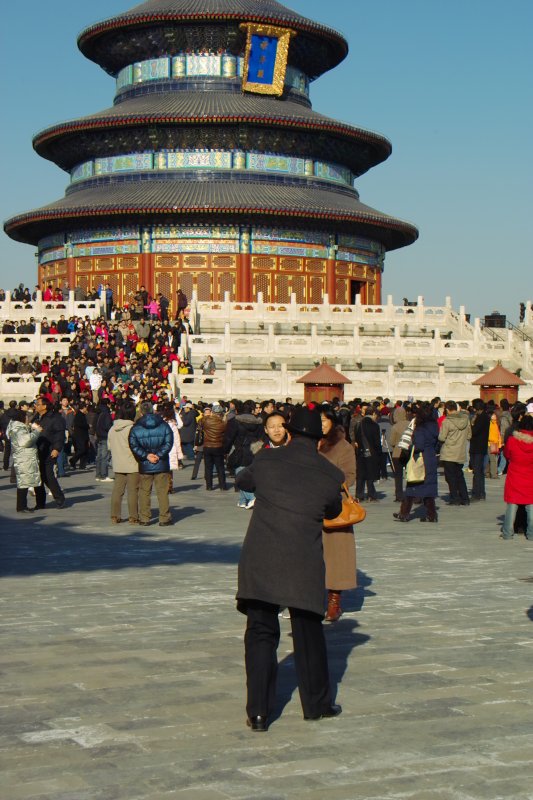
{"x": 449, "y": 83}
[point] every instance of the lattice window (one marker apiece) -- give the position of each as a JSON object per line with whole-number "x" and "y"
{"x": 204, "y": 286}
{"x": 261, "y": 262}
{"x": 343, "y": 269}
{"x": 130, "y": 284}
{"x": 340, "y": 291}
{"x": 163, "y": 283}
{"x": 186, "y": 284}
{"x": 83, "y": 283}
{"x": 60, "y": 268}
{"x": 104, "y": 264}
{"x": 226, "y": 283}
{"x": 283, "y": 289}
{"x": 128, "y": 262}
{"x": 195, "y": 261}
{"x": 167, "y": 261}
{"x": 224, "y": 262}
{"x": 84, "y": 265}
{"x": 315, "y": 292}
{"x": 298, "y": 288}
{"x": 262, "y": 284}
{"x": 293, "y": 264}
{"x": 315, "y": 265}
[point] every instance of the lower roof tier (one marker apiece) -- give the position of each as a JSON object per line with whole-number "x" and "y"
{"x": 161, "y": 202}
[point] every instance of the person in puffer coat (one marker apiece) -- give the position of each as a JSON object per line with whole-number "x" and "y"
{"x": 519, "y": 481}
{"x": 151, "y": 441}
{"x": 25, "y": 459}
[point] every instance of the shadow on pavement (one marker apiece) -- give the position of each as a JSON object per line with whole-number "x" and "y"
{"x": 529, "y": 612}
{"x": 341, "y": 639}
{"x": 35, "y": 549}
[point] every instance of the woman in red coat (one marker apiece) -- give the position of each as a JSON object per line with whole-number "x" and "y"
{"x": 519, "y": 482}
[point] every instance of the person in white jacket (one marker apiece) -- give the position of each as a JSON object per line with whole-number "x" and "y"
{"x": 168, "y": 412}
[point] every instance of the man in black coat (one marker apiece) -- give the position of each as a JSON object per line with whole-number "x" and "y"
{"x": 479, "y": 448}
{"x": 282, "y": 565}
{"x": 49, "y": 444}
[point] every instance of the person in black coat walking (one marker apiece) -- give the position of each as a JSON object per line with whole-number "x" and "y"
{"x": 80, "y": 438}
{"x": 282, "y": 564}
{"x": 49, "y": 445}
{"x": 104, "y": 423}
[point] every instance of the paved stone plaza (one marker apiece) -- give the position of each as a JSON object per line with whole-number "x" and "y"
{"x": 122, "y": 660}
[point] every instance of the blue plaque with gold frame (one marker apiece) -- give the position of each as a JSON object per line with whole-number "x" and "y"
{"x": 265, "y": 60}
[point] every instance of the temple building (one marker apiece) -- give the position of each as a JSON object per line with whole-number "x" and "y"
{"x": 211, "y": 172}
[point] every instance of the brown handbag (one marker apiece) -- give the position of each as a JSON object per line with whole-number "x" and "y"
{"x": 352, "y": 513}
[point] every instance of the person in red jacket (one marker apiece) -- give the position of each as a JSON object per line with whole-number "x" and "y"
{"x": 519, "y": 482}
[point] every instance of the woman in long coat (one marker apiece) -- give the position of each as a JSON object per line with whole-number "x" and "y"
{"x": 519, "y": 481}
{"x": 25, "y": 459}
{"x": 339, "y": 545}
{"x": 368, "y": 456}
{"x": 425, "y": 438}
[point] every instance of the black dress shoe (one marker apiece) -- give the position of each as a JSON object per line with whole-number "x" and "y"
{"x": 24, "y": 510}
{"x": 144, "y": 524}
{"x": 164, "y": 524}
{"x": 258, "y": 724}
{"x": 332, "y": 711}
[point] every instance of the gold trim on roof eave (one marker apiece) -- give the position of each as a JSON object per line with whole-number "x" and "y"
{"x": 284, "y": 36}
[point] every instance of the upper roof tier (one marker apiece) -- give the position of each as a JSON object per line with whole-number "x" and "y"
{"x": 167, "y": 27}
{"x": 211, "y": 120}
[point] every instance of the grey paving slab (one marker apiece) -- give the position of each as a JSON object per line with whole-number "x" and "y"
{"x": 122, "y": 662}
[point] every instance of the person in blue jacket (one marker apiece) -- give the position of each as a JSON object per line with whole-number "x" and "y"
{"x": 151, "y": 440}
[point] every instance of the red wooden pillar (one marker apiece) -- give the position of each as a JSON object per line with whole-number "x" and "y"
{"x": 147, "y": 272}
{"x": 377, "y": 290}
{"x": 71, "y": 272}
{"x": 331, "y": 287}
{"x": 244, "y": 278}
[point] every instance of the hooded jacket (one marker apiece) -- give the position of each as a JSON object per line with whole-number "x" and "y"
{"x": 519, "y": 482}
{"x": 151, "y": 434}
{"x": 118, "y": 442}
{"x": 242, "y": 431}
{"x": 454, "y": 433}
{"x": 399, "y": 426}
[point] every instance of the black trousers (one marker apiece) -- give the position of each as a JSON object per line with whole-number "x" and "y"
{"x": 477, "y": 461}
{"x": 398, "y": 478}
{"x": 455, "y": 478}
{"x": 310, "y": 657}
{"x": 22, "y": 499}
{"x": 48, "y": 478}
{"x": 81, "y": 453}
{"x": 7, "y": 453}
{"x": 214, "y": 457}
{"x": 360, "y": 487}
{"x": 198, "y": 457}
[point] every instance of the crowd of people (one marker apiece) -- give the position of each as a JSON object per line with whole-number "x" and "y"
{"x": 371, "y": 441}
